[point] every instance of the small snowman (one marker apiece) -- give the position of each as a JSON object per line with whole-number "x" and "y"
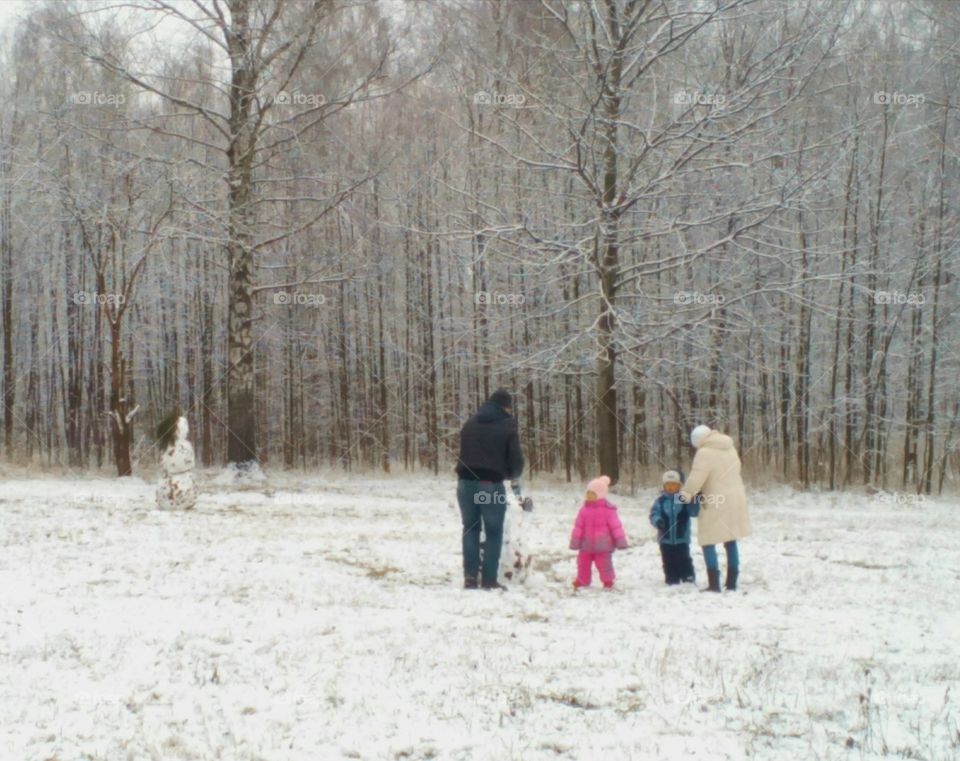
{"x": 515, "y": 560}
{"x": 176, "y": 490}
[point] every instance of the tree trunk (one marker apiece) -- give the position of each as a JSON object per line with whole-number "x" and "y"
{"x": 241, "y": 411}
{"x": 6, "y": 277}
{"x": 928, "y": 454}
{"x": 871, "y": 359}
{"x": 120, "y": 405}
{"x": 608, "y": 264}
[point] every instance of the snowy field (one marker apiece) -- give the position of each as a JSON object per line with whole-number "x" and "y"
{"x": 322, "y": 618}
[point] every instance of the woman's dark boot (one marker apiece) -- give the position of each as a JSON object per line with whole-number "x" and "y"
{"x": 714, "y": 579}
{"x": 732, "y": 576}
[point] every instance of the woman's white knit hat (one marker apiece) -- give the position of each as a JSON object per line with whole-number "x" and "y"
{"x": 698, "y": 434}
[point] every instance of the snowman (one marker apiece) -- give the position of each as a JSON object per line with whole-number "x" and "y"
{"x": 176, "y": 490}
{"x": 515, "y": 560}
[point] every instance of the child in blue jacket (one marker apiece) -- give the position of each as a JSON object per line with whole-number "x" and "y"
{"x": 672, "y": 519}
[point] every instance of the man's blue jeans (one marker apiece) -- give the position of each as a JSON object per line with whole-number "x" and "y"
{"x": 486, "y": 502}
{"x": 713, "y": 562}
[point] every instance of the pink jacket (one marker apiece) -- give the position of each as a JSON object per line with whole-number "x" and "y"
{"x": 598, "y": 528}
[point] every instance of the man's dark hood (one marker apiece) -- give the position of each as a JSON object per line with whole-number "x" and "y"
{"x": 489, "y": 412}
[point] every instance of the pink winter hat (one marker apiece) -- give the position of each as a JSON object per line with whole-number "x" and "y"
{"x": 599, "y": 486}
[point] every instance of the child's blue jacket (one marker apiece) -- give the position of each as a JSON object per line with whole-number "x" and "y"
{"x": 672, "y": 518}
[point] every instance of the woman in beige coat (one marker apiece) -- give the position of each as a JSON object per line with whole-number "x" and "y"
{"x": 724, "y": 518}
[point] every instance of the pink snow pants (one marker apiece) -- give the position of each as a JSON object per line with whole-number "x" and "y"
{"x": 604, "y": 563}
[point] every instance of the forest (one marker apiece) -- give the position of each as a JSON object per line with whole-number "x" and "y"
{"x": 327, "y": 230}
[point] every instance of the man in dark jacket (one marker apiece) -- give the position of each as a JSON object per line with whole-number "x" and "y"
{"x": 489, "y": 454}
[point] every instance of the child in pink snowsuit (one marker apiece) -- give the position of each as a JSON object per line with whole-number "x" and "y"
{"x": 596, "y": 534}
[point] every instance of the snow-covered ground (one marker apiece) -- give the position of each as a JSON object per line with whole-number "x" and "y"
{"x": 319, "y": 618}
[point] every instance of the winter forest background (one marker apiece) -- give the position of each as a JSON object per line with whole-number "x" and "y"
{"x": 327, "y": 230}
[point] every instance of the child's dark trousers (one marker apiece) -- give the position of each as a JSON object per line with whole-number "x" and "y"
{"x": 677, "y": 563}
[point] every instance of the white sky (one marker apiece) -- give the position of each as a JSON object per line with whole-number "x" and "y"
{"x": 10, "y": 9}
